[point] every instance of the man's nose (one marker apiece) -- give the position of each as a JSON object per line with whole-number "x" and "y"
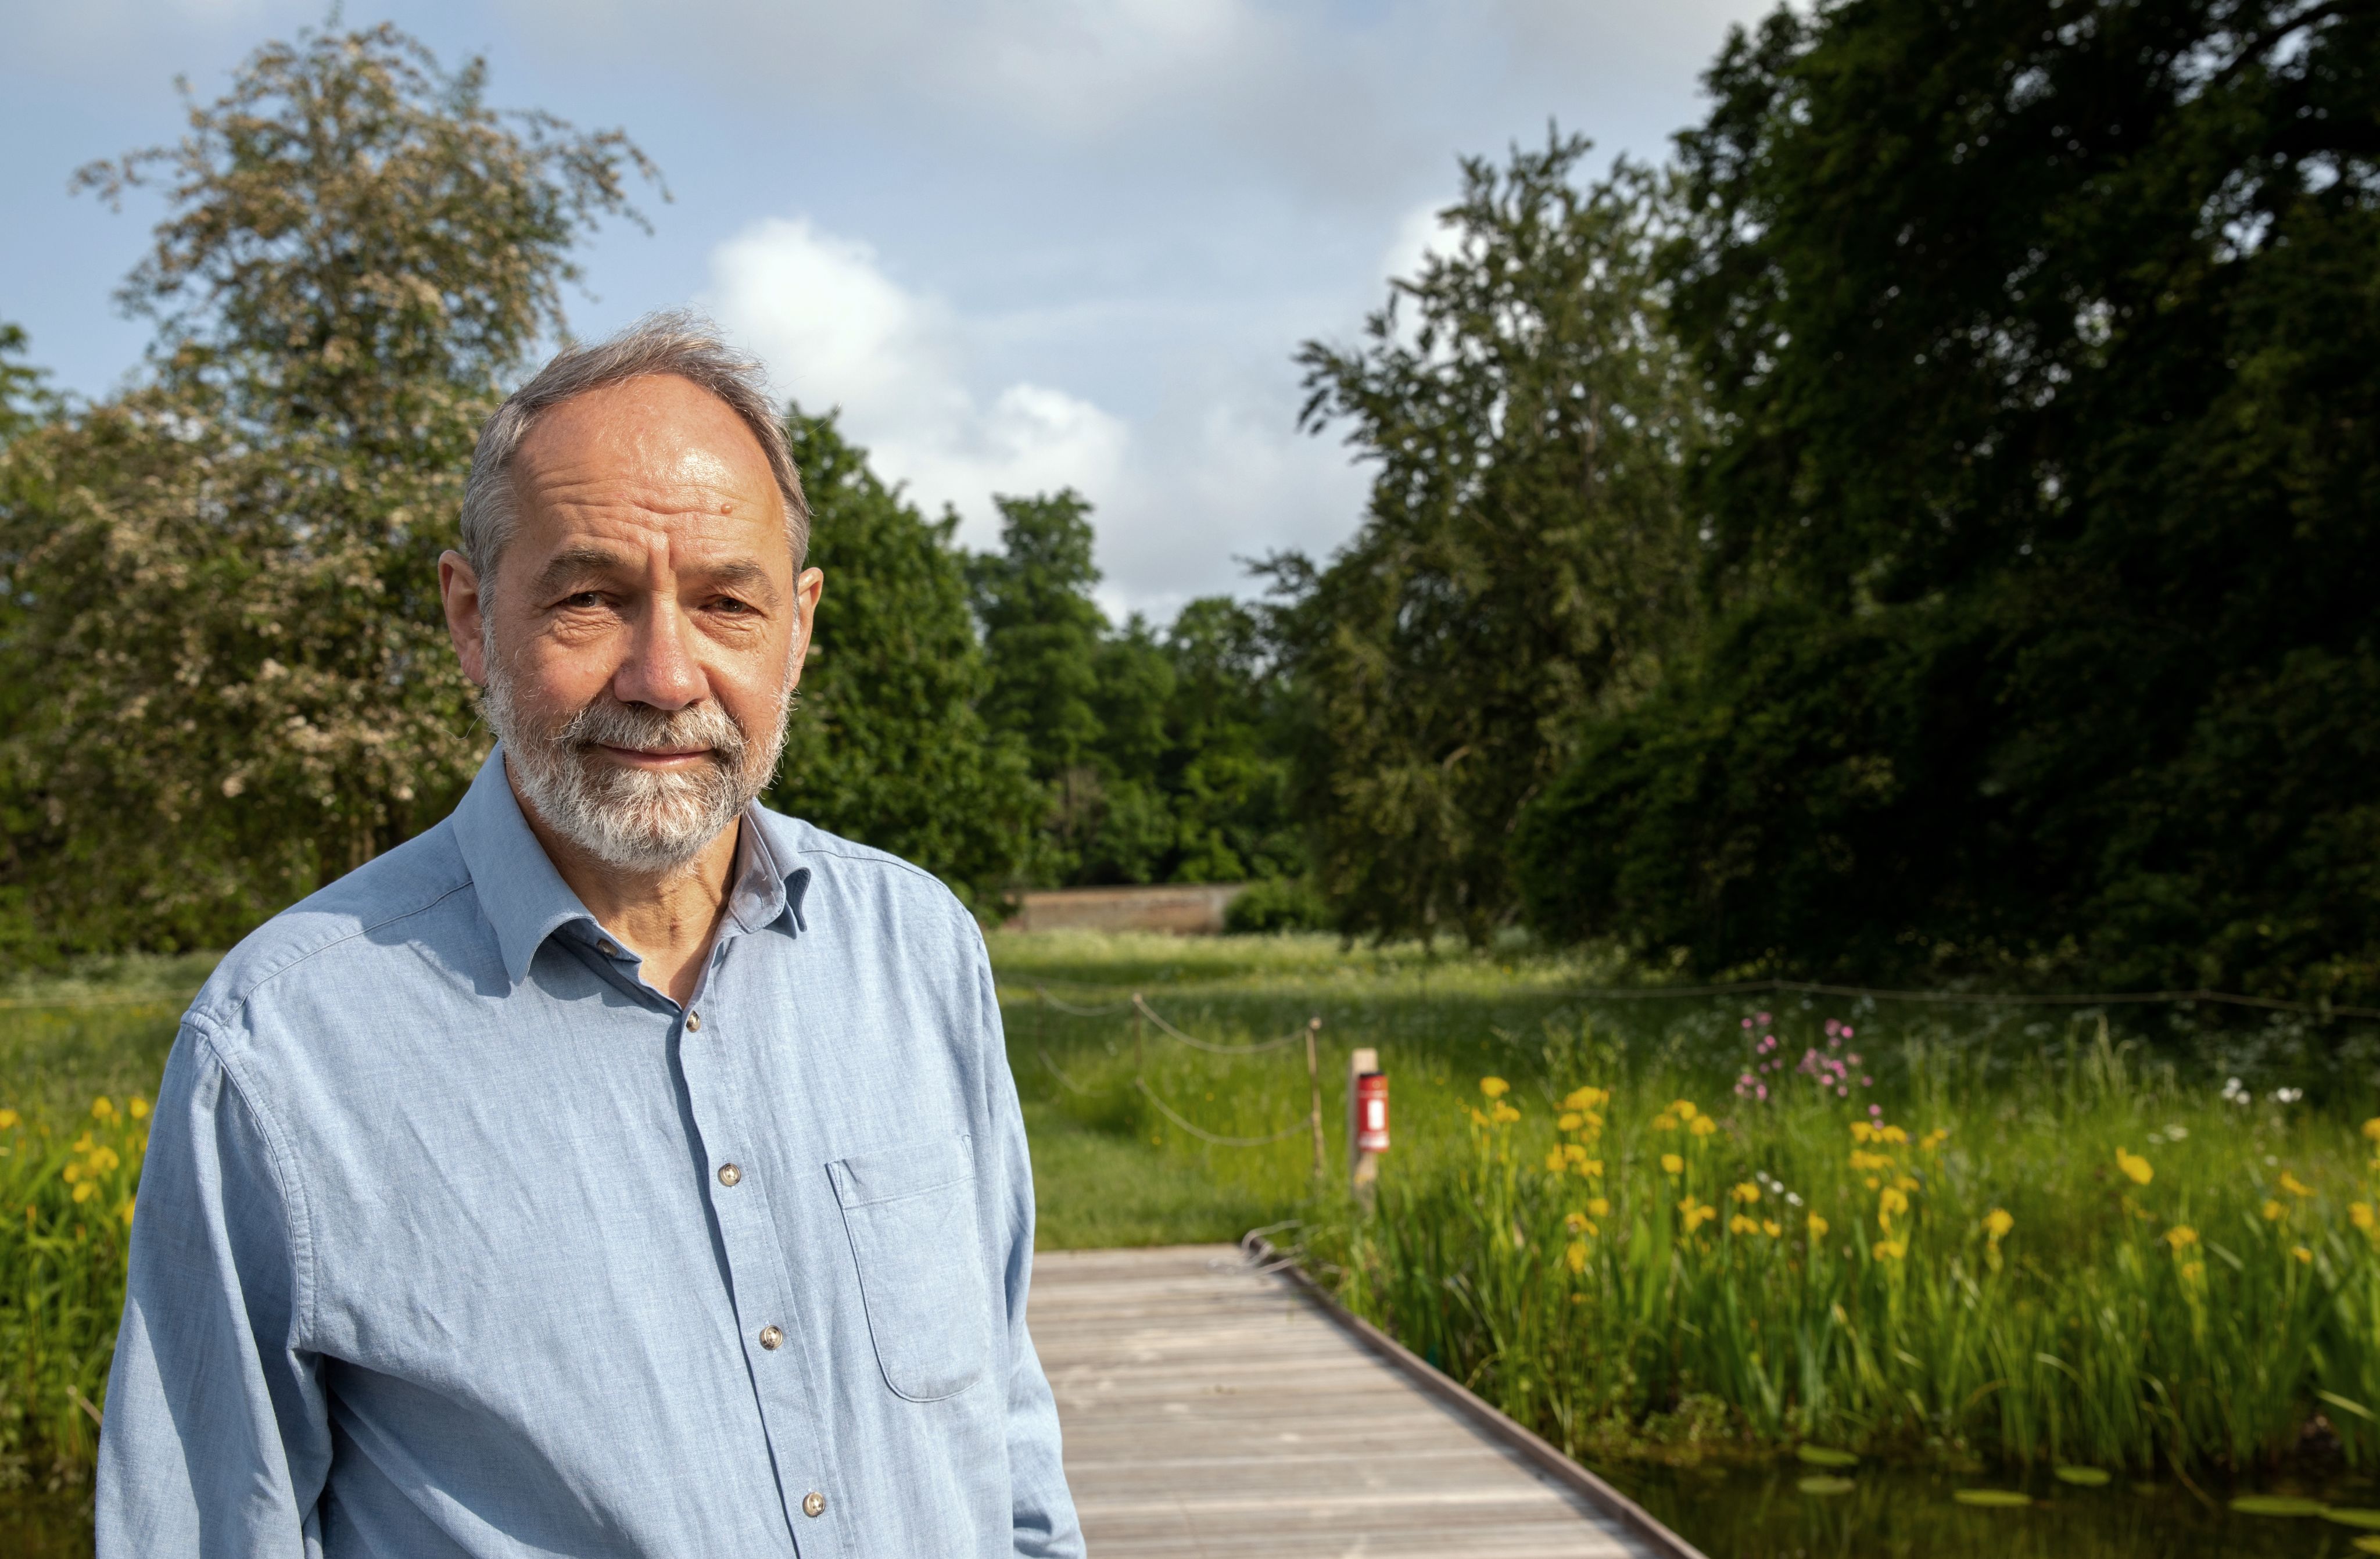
{"x": 660, "y": 669}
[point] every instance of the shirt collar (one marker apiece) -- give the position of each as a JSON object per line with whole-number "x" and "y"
{"x": 526, "y": 900}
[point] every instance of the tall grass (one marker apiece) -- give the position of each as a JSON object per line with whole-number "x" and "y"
{"x": 2087, "y": 1263}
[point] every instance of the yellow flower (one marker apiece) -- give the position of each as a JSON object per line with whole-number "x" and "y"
{"x": 1575, "y": 1222}
{"x": 2193, "y": 1271}
{"x": 1584, "y": 1098}
{"x": 1933, "y": 1138}
{"x": 1570, "y": 1120}
{"x": 1591, "y": 1166}
{"x": 1597, "y": 1207}
{"x": 103, "y": 1108}
{"x": 1554, "y": 1161}
{"x": 1704, "y": 1126}
{"x": 1739, "y": 1224}
{"x": 1494, "y": 1087}
{"x": 1503, "y": 1113}
{"x": 1817, "y": 1227}
{"x": 1862, "y": 1131}
{"x": 2273, "y": 1210}
{"x": 2305, "y": 1257}
{"x": 2294, "y": 1185}
{"x": 1891, "y": 1134}
{"x": 1476, "y": 1118}
{"x": 127, "y": 1214}
{"x": 7, "y": 1120}
{"x": 1890, "y": 1249}
{"x": 1997, "y": 1224}
{"x": 1665, "y": 1122}
{"x": 72, "y": 1171}
{"x": 136, "y": 1107}
{"x": 1865, "y": 1161}
{"x": 1573, "y": 1153}
{"x": 1576, "y": 1256}
{"x": 1672, "y": 1164}
{"x": 85, "y": 1191}
{"x": 1684, "y": 1109}
{"x": 2135, "y": 1168}
{"x": 1771, "y": 1227}
{"x": 2359, "y": 1214}
{"x": 2371, "y": 1128}
{"x": 1745, "y": 1192}
{"x": 2181, "y": 1234}
{"x": 1696, "y": 1213}
{"x": 1889, "y": 1202}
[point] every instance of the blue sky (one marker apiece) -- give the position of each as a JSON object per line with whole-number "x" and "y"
{"x": 1021, "y": 245}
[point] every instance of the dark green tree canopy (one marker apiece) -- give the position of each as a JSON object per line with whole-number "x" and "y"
{"x": 2041, "y": 337}
{"x": 889, "y": 747}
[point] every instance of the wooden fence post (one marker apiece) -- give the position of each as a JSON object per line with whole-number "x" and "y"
{"x": 1314, "y": 1082}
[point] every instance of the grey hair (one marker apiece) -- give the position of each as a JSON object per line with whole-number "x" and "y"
{"x": 677, "y": 341}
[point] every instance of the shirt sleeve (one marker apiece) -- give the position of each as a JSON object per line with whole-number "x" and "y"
{"x": 1045, "y": 1525}
{"x": 215, "y": 1437}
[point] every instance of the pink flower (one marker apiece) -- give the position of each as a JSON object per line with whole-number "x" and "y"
{"x": 1868, "y": 1082}
{"x": 1847, "y": 1031}
{"x": 1761, "y": 1088}
{"x": 1834, "y": 1026}
{"x": 1852, "y": 1058}
{"x": 1747, "y": 1023}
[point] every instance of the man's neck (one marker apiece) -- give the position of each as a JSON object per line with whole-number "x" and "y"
{"x": 667, "y": 918}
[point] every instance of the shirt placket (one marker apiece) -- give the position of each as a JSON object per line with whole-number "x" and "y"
{"x": 778, "y": 1344}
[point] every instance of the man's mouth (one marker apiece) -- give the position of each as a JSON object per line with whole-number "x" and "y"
{"x": 655, "y": 757}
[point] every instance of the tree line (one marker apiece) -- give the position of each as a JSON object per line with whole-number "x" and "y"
{"x": 1924, "y": 528}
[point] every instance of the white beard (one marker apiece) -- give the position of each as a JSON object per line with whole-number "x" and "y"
{"x": 632, "y": 819}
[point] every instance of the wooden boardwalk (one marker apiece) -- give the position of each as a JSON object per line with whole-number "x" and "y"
{"x": 1209, "y": 1409}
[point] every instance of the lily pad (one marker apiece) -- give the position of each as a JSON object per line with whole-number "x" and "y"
{"x": 2349, "y": 1516}
{"x": 1992, "y": 1499}
{"x": 1821, "y": 1456}
{"x": 2083, "y": 1477}
{"x": 1825, "y": 1484}
{"x": 2276, "y": 1504}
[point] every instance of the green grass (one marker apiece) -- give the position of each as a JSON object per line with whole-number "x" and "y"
{"x": 2077, "y": 1335}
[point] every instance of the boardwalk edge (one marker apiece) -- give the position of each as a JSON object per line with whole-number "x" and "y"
{"x": 1489, "y": 1421}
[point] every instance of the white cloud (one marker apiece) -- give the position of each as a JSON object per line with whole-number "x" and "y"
{"x": 1211, "y": 471}
{"x": 836, "y": 331}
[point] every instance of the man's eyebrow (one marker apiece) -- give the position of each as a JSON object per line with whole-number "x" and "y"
{"x": 575, "y": 563}
{"x": 741, "y": 574}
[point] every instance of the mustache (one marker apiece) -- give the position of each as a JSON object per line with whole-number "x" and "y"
{"x": 607, "y": 722}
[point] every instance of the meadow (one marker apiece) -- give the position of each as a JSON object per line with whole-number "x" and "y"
{"x": 1669, "y": 1231}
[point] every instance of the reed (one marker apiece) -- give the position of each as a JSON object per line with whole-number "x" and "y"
{"x": 2090, "y": 1264}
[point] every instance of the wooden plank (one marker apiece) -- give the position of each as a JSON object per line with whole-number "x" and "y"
{"x": 1209, "y": 1409}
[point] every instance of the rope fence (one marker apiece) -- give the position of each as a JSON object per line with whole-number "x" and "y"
{"x": 1145, "y": 1017}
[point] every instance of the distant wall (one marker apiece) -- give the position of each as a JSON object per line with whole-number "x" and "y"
{"x": 1185, "y": 909}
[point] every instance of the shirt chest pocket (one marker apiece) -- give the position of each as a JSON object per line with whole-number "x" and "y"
{"x": 911, "y": 1215}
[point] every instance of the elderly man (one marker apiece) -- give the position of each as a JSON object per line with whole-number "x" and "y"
{"x": 618, "y": 1168}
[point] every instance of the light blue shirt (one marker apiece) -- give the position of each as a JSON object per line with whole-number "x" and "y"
{"x": 456, "y": 1237}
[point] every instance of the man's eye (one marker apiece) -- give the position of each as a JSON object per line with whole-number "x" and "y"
{"x": 728, "y": 603}
{"x": 584, "y": 597}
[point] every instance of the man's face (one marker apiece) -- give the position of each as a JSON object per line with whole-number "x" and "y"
{"x": 645, "y": 629}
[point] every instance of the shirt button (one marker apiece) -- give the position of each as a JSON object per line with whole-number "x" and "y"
{"x": 729, "y": 1174}
{"x": 694, "y": 1023}
{"x": 770, "y": 1338}
{"x": 813, "y": 1503}
{"x": 609, "y": 949}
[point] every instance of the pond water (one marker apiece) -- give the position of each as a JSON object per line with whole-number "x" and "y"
{"x": 1892, "y": 1514}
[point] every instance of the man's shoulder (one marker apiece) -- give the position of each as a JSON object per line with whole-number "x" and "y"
{"x": 386, "y": 907}
{"x": 846, "y": 868}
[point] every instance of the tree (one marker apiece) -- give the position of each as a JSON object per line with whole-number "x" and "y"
{"x": 1525, "y": 557}
{"x": 225, "y": 578}
{"x": 889, "y": 745}
{"x": 2042, "y": 337}
{"x": 1041, "y": 633}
